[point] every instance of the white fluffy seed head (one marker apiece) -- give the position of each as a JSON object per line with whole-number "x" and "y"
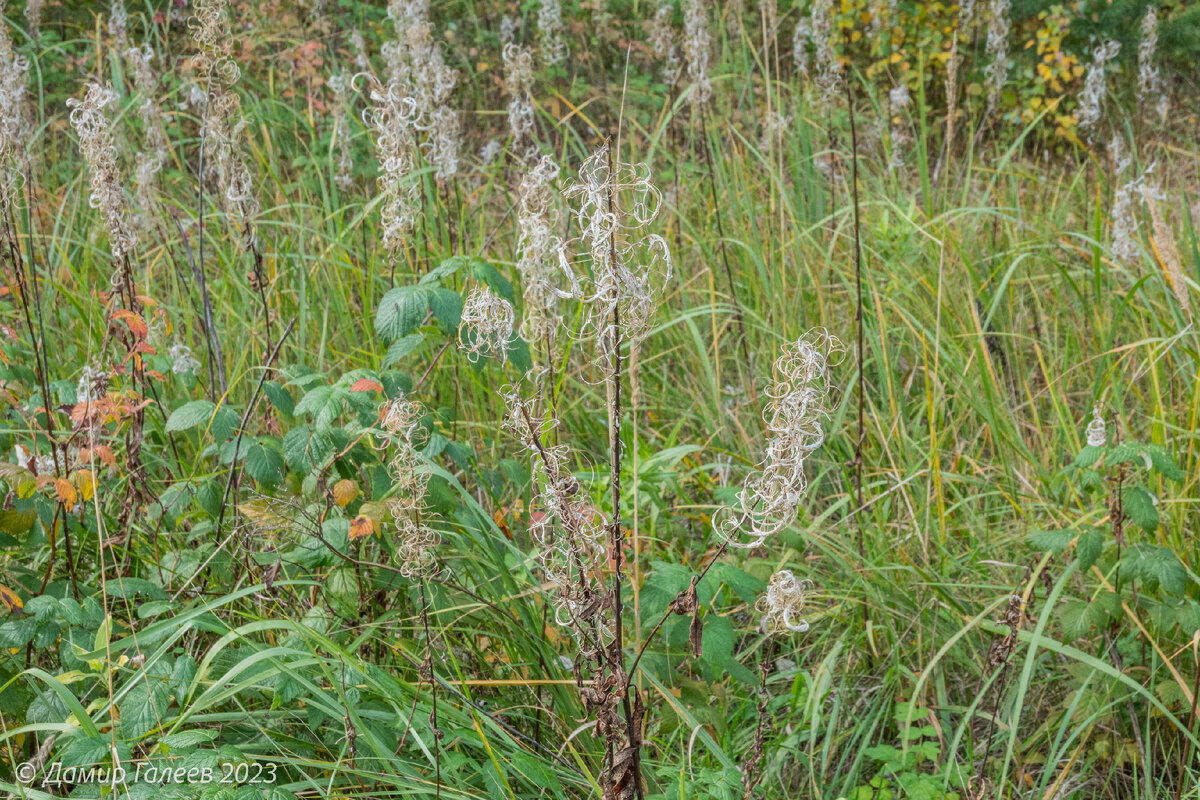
{"x": 613, "y": 202}
{"x": 90, "y": 119}
{"x": 1091, "y": 98}
{"x": 770, "y": 499}
{"x": 551, "y": 43}
{"x": 697, "y": 47}
{"x": 1097, "y": 436}
{"x": 487, "y": 324}
{"x": 783, "y": 603}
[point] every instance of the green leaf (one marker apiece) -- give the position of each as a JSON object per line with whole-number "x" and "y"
{"x": 485, "y": 273}
{"x": 1079, "y": 617}
{"x": 1164, "y": 463}
{"x": 264, "y": 462}
{"x": 447, "y": 306}
{"x": 305, "y": 449}
{"x": 1088, "y": 456}
{"x": 744, "y": 585}
{"x": 1122, "y": 453}
{"x": 1138, "y": 504}
{"x": 1171, "y": 575}
{"x": 445, "y": 269}
{"x": 401, "y": 310}
{"x": 191, "y": 738}
{"x": 1088, "y": 548}
{"x": 190, "y": 414}
{"x": 224, "y": 423}
{"x": 84, "y": 751}
{"x": 143, "y": 710}
{"x": 17, "y": 632}
{"x": 1054, "y": 541}
{"x": 280, "y": 398}
{"x": 404, "y": 346}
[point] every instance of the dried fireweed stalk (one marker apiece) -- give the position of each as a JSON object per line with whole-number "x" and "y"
{"x": 783, "y": 603}
{"x": 800, "y": 42}
{"x": 829, "y": 68}
{"x": 223, "y": 122}
{"x": 1126, "y": 206}
{"x": 339, "y": 84}
{"x": 997, "y": 50}
{"x": 550, "y": 33}
{"x": 612, "y": 203}
{"x": 1097, "y": 436}
{"x": 14, "y": 74}
{"x": 518, "y": 78}
{"x": 697, "y": 47}
{"x": 107, "y": 194}
{"x": 662, "y": 39}
{"x": 1092, "y": 96}
{"x": 487, "y": 324}
{"x": 770, "y": 499}
{"x": 538, "y": 255}
{"x": 1150, "y": 82}
{"x": 390, "y": 117}
{"x": 569, "y": 531}
{"x": 154, "y": 153}
{"x": 415, "y": 541}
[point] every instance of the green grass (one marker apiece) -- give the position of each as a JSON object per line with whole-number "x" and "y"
{"x": 994, "y": 318}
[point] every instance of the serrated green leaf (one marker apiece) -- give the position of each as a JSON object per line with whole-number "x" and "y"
{"x": 143, "y": 710}
{"x": 1138, "y": 504}
{"x": 1088, "y": 456}
{"x": 279, "y": 398}
{"x": 1088, "y": 548}
{"x": 1164, "y": 463}
{"x": 190, "y": 414}
{"x": 224, "y": 423}
{"x": 264, "y": 462}
{"x": 305, "y": 449}
{"x": 1054, "y": 541}
{"x": 1171, "y": 575}
{"x": 401, "y": 310}
{"x": 404, "y": 346}
{"x": 190, "y": 738}
{"x": 447, "y": 306}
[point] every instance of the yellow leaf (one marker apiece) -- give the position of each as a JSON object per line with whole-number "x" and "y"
{"x": 65, "y": 491}
{"x": 344, "y": 492}
{"x": 360, "y": 527}
{"x": 85, "y": 482}
{"x": 10, "y": 599}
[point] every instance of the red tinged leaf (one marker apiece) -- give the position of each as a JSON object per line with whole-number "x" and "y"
{"x": 137, "y": 325}
{"x": 366, "y": 385}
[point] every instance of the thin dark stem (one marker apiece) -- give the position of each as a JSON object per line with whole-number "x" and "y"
{"x": 614, "y": 531}
{"x": 215, "y": 355}
{"x": 427, "y": 667}
{"x": 1191, "y": 727}
{"x": 858, "y": 324}
{"x": 712, "y": 187}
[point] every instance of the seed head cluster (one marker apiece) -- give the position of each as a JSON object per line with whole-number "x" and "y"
{"x": 612, "y": 202}
{"x": 487, "y": 324}
{"x": 697, "y": 47}
{"x": 770, "y": 499}
{"x": 90, "y": 119}
{"x": 538, "y": 254}
{"x": 1091, "y": 98}
{"x": 783, "y": 603}
{"x": 415, "y": 542}
{"x": 996, "y": 74}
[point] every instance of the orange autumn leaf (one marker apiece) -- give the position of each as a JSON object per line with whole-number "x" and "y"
{"x": 65, "y": 491}
{"x": 137, "y": 325}
{"x": 361, "y": 526}
{"x": 366, "y": 385}
{"x": 11, "y": 600}
{"x": 344, "y": 492}
{"x": 502, "y": 523}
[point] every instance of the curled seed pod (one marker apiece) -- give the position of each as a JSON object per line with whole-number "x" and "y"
{"x": 770, "y": 499}
{"x": 487, "y": 324}
{"x": 783, "y": 603}
{"x": 89, "y": 117}
{"x": 1097, "y": 435}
